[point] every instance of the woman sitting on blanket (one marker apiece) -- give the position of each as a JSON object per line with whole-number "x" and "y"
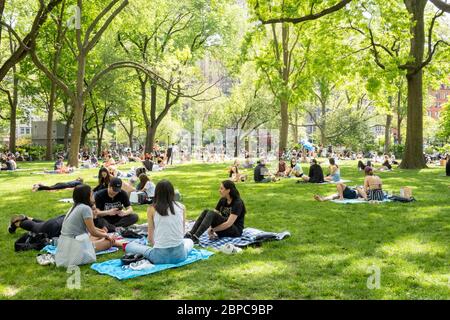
{"x": 234, "y": 174}
{"x": 109, "y": 161}
{"x": 166, "y": 223}
{"x": 343, "y": 192}
{"x": 335, "y": 172}
{"x": 103, "y": 179}
{"x": 227, "y": 220}
{"x": 281, "y": 168}
{"x": 146, "y": 185}
{"x": 78, "y": 232}
{"x": 372, "y": 190}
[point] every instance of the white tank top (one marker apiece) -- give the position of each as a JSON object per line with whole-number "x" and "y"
{"x": 169, "y": 230}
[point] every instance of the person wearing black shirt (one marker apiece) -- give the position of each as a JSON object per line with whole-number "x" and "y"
{"x": 261, "y": 173}
{"x": 169, "y": 154}
{"x": 58, "y": 186}
{"x": 315, "y": 173}
{"x": 103, "y": 179}
{"x": 447, "y": 166}
{"x": 227, "y": 220}
{"x": 113, "y": 207}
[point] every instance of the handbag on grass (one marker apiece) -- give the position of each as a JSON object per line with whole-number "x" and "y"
{"x": 74, "y": 250}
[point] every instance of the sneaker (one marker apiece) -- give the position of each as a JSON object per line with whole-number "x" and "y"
{"x": 14, "y": 219}
{"x": 141, "y": 265}
{"x": 45, "y": 259}
{"x": 230, "y": 249}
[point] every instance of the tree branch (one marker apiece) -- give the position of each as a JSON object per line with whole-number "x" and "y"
{"x": 308, "y": 17}
{"x": 90, "y": 44}
{"x": 441, "y": 5}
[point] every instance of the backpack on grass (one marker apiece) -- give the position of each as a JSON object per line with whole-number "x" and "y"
{"x": 402, "y": 199}
{"x": 31, "y": 241}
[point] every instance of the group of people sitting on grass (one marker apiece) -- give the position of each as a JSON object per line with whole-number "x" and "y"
{"x": 90, "y": 225}
{"x": 294, "y": 170}
{"x": 372, "y": 190}
{"x": 8, "y": 162}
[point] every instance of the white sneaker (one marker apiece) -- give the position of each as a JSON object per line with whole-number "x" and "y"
{"x": 45, "y": 259}
{"x": 230, "y": 249}
{"x": 141, "y": 265}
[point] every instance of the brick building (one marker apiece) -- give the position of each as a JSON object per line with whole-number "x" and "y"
{"x": 439, "y": 99}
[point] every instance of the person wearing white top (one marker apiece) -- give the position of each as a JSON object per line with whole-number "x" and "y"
{"x": 166, "y": 221}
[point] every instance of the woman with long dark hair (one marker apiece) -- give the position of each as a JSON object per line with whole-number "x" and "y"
{"x": 103, "y": 179}
{"x": 80, "y": 239}
{"x": 227, "y": 220}
{"x": 166, "y": 220}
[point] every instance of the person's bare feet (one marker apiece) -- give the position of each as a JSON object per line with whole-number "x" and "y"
{"x": 318, "y": 198}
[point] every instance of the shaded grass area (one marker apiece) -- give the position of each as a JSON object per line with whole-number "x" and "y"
{"x": 328, "y": 256}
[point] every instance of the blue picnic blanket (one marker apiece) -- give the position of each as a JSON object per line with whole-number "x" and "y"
{"x": 114, "y": 268}
{"x": 249, "y": 236}
{"x": 52, "y": 250}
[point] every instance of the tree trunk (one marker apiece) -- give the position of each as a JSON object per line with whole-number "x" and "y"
{"x": 130, "y": 136}
{"x": 151, "y": 129}
{"x": 78, "y": 112}
{"x": 284, "y": 130}
{"x": 387, "y": 133}
{"x": 13, "y": 118}
{"x": 51, "y": 107}
{"x": 295, "y": 127}
{"x": 413, "y": 156}
{"x": 151, "y": 134}
{"x": 284, "y": 101}
{"x": 67, "y": 130}
{"x": 399, "y": 116}
{"x": 323, "y": 125}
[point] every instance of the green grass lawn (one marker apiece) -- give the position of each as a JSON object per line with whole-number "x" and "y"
{"x": 328, "y": 256}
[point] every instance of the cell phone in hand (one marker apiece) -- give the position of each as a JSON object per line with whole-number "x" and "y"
{"x": 120, "y": 207}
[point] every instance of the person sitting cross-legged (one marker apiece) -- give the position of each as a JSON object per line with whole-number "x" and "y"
{"x": 261, "y": 174}
{"x": 114, "y": 208}
{"x": 166, "y": 223}
{"x": 227, "y": 220}
{"x": 315, "y": 173}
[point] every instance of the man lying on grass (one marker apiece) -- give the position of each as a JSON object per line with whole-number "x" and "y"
{"x": 58, "y": 186}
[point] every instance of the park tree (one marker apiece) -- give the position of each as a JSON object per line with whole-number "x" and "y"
{"x": 101, "y": 17}
{"x": 287, "y": 13}
{"x": 176, "y": 37}
{"x": 27, "y": 40}
{"x": 399, "y": 23}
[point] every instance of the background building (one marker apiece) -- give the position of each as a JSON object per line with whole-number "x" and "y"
{"x": 39, "y": 132}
